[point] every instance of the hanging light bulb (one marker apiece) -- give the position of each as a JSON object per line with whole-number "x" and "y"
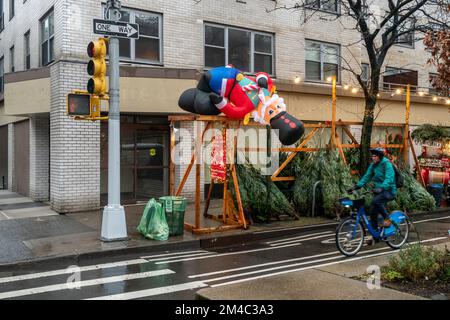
{"x": 346, "y": 87}
{"x": 398, "y": 91}
{"x": 329, "y": 79}
{"x": 421, "y": 93}
{"x": 448, "y": 101}
{"x": 297, "y": 80}
{"x": 435, "y": 99}
{"x": 354, "y": 90}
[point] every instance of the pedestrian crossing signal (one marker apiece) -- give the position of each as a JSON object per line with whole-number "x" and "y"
{"x": 79, "y": 104}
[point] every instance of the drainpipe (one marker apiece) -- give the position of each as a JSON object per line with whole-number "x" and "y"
{"x": 314, "y": 197}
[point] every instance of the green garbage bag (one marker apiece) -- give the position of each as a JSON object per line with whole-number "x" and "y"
{"x": 153, "y": 223}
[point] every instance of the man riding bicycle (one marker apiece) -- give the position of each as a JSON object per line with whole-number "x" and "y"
{"x": 381, "y": 173}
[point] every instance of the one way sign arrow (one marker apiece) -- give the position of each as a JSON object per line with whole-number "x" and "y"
{"x": 116, "y": 29}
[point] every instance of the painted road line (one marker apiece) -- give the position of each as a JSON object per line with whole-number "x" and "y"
{"x": 301, "y": 240}
{"x": 421, "y": 221}
{"x": 87, "y": 283}
{"x": 153, "y": 292}
{"x": 227, "y": 254}
{"x": 314, "y": 266}
{"x": 172, "y": 254}
{"x": 263, "y": 264}
{"x": 299, "y": 237}
{"x": 182, "y": 256}
{"x": 66, "y": 271}
{"x": 4, "y": 214}
{"x": 297, "y": 228}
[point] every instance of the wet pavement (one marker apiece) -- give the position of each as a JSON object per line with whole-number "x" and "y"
{"x": 180, "y": 273}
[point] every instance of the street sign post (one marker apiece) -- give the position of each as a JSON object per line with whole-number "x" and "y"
{"x": 116, "y": 29}
{"x": 114, "y": 227}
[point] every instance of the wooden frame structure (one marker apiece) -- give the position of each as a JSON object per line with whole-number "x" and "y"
{"x": 231, "y": 217}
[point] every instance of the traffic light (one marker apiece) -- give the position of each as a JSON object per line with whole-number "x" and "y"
{"x": 79, "y": 104}
{"x": 97, "y": 67}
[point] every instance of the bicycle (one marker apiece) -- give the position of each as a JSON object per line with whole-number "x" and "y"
{"x": 351, "y": 231}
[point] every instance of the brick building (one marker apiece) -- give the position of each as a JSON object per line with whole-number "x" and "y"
{"x": 51, "y": 157}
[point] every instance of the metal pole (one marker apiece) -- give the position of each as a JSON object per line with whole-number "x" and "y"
{"x": 333, "y": 112}
{"x": 406, "y": 132}
{"x": 113, "y": 224}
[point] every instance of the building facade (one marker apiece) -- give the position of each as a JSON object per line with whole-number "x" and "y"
{"x": 51, "y": 157}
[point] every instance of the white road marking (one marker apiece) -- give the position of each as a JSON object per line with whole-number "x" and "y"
{"x": 297, "y": 228}
{"x": 227, "y": 254}
{"x": 172, "y": 254}
{"x": 298, "y": 237}
{"x": 300, "y": 240}
{"x": 263, "y": 264}
{"x": 182, "y": 256}
{"x": 309, "y": 267}
{"x": 87, "y": 283}
{"x": 4, "y": 214}
{"x": 64, "y": 271}
{"x": 153, "y": 292}
{"x": 420, "y": 221}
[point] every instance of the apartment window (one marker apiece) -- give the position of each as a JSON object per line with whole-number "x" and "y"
{"x": 396, "y": 78}
{"x": 12, "y": 67}
{"x": 12, "y": 9}
{"x": 148, "y": 48}
{"x": 322, "y": 61}
{"x": 247, "y": 50}
{"x": 47, "y": 39}
{"x": 2, "y": 74}
{"x": 2, "y": 17}
{"x": 365, "y": 74}
{"x": 27, "y": 55}
{"x": 325, "y": 5}
{"x": 406, "y": 38}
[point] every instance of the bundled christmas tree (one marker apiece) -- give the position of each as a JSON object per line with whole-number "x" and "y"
{"x": 260, "y": 196}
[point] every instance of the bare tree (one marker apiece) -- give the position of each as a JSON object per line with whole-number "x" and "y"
{"x": 382, "y": 24}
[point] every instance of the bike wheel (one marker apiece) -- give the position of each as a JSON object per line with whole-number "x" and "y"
{"x": 401, "y": 235}
{"x": 349, "y": 236}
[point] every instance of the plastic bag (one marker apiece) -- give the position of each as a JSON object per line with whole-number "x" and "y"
{"x": 153, "y": 223}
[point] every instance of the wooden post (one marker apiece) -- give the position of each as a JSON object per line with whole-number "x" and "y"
{"x": 333, "y": 112}
{"x": 416, "y": 161}
{"x": 199, "y": 140}
{"x": 406, "y": 130}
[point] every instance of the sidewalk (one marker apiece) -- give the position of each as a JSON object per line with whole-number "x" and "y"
{"x": 32, "y": 233}
{"x": 332, "y": 282}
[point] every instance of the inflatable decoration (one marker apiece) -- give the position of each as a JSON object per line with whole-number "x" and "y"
{"x": 227, "y": 90}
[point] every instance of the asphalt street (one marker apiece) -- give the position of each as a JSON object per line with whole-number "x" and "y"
{"x": 179, "y": 274}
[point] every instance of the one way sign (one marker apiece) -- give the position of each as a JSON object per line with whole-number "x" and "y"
{"x": 116, "y": 29}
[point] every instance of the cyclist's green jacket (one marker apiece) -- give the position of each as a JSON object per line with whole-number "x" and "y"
{"x": 382, "y": 175}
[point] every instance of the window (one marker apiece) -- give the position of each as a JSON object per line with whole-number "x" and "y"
{"x": 47, "y": 39}
{"x": 2, "y": 17}
{"x": 406, "y": 38}
{"x": 247, "y": 50}
{"x": 2, "y": 74}
{"x": 148, "y": 47}
{"x": 365, "y": 74}
{"x": 325, "y": 5}
{"x": 12, "y": 67}
{"x": 11, "y": 9}
{"x": 27, "y": 55}
{"x": 396, "y": 78}
{"x": 322, "y": 61}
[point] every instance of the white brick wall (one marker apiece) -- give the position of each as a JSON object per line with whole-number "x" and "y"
{"x": 74, "y": 146}
{"x": 39, "y": 158}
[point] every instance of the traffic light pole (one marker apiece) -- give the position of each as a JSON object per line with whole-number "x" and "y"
{"x": 113, "y": 224}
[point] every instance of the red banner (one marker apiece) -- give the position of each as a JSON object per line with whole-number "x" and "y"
{"x": 219, "y": 159}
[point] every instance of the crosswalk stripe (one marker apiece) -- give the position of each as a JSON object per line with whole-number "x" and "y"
{"x": 343, "y": 260}
{"x": 301, "y": 240}
{"x": 153, "y": 291}
{"x": 172, "y": 254}
{"x": 64, "y": 271}
{"x": 299, "y": 237}
{"x": 228, "y": 254}
{"x": 87, "y": 283}
{"x": 182, "y": 256}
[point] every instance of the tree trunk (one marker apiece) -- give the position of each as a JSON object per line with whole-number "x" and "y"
{"x": 366, "y": 135}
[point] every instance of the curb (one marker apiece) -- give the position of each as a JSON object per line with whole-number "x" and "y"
{"x": 213, "y": 241}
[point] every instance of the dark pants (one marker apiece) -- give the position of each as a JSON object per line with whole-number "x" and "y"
{"x": 379, "y": 207}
